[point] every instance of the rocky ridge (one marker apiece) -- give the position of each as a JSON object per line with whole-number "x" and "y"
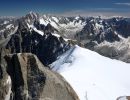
{"x": 97, "y": 34}
{"x": 26, "y": 78}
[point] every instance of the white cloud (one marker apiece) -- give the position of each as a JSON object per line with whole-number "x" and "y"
{"x": 104, "y": 14}
{"x": 125, "y": 4}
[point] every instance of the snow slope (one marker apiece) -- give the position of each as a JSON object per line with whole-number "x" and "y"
{"x": 93, "y": 76}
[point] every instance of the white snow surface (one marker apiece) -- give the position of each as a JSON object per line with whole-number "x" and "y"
{"x": 55, "y": 19}
{"x": 38, "y": 31}
{"x": 35, "y": 29}
{"x": 56, "y": 35}
{"x": 42, "y": 21}
{"x": 9, "y": 26}
{"x": 93, "y": 76}
{"x": 6, "y": 22}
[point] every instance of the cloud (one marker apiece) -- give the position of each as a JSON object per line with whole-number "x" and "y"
{"x": 88, "y": 13}
{"x": 124, "y": 4}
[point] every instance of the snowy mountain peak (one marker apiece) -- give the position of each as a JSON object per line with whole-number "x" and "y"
{"x": 77, "y": 17}
{"x": 93, "y": 76}
{"x": 33, "y": 14}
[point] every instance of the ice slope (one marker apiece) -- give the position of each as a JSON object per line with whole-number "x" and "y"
{"x": 93, "y": 76}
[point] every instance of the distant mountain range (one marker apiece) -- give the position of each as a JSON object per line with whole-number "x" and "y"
{"x": 109, "y": 37}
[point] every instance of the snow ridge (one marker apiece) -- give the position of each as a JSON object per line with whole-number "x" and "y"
{"x": 93, "y": 76}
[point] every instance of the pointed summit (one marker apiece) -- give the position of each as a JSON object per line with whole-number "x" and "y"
{"x": 33, "y": 15}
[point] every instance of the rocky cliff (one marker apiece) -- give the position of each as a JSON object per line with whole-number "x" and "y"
{"x": 23, "y": 77}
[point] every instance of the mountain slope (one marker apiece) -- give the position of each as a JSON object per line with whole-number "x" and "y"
{"x": 93, "y": 76}
{"x": 29, "y": 36}
{"x": 108, "y": 37}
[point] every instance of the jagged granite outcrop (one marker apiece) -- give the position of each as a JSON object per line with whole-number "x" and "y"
{"x": 47, "y": 47}
{"x": 25, "y": 78}
{"x": 25, "y": 37}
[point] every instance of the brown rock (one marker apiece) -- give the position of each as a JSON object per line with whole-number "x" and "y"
{"x": 32, "y": 81}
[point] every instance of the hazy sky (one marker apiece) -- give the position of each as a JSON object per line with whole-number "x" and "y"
{"x": 66, "y": 7}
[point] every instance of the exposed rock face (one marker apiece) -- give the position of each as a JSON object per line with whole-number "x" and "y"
{"x": 123, "y": 98}
{"x": 109, "y": 37}
{"x": 100, "y": 35}
{"x": 46, "y": 46}
{"x": 5, "y": 80}
{"x": 32, "y": 81}
{"x": 25, "y": 36}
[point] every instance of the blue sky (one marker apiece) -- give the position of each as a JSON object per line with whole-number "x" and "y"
{"x": 66, "y": 7}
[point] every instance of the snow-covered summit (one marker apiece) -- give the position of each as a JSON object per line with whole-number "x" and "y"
{"x": 93, "y": 76}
